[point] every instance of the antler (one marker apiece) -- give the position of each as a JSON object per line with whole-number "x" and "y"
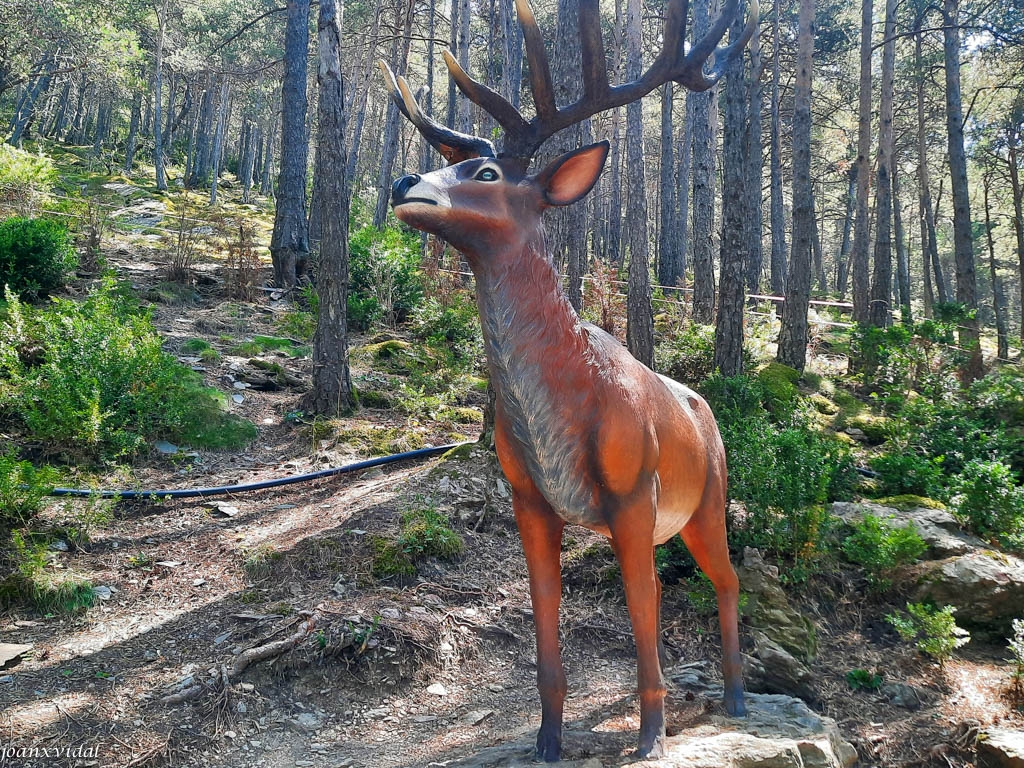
{"x": 453, "y": 145}
{"x": 523, "y": 138}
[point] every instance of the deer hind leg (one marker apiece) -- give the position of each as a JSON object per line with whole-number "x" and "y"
{"x": 541, "y": 532}
{"x": 633, "y": 543}
{"x": 704, "y": 535}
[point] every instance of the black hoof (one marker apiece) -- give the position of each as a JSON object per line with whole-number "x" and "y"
{"x": 549, "y": 749}
{"x": 735, "y": 706}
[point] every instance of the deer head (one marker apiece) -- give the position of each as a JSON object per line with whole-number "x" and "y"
{"x": 488, "y": 204}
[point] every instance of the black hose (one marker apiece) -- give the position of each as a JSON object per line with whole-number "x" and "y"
{"x": 226, "y": 489}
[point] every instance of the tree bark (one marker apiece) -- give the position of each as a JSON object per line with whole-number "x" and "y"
{"x": 639, "y": 313}
{"x": 289, "y": 244}
{"x": 614, "y": 243}
{"x": 218, "y": 139}
{"x": 133, "y": 132}
{"x": 734, "y": 253}
{"x": 684, "y": 165}
{"x": 1013, "y": 147}
{"x": 963, "y": 241}
{"x": 703, "y": 187}
{"x": 331, "y": 392}
{"x": 158, "y": 146}
{"x": 392, "y": 125}
{"x": 881, "y": 283}
{"x": 902, "y": 257}
{"x": 778, "y": 213}
{"x": 793, "y": 336}
{"x": 998, "y": 297}
{"x": 668, "y": 239}
{"x": 754, "y": 218}
{"x": 843, "y": 260}
{"x": 861, "y": 230}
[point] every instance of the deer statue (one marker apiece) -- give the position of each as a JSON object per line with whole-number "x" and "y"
{"x": 584, "y": 432}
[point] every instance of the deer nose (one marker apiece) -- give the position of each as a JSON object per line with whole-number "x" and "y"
{"x": 403, "y": 185}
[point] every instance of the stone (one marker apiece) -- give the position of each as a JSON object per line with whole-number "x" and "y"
{"x": 103, "y": 593}
{"x": 937, "y": 527}
{"x": 306, "y": 722}
{"x": 437, "y": 689}
{"x": 774, "y": 670}
{"x": 1001, "y": 748}
{"x": 476, "y": 716}
{"x": 769, "y": 611}
{"x": 12, "y": 652}
{"x": 778, "y": 732}
{"x": 986, "y": 587}
{"x": 904, "y": 695}
{"x": 168, "y": 449}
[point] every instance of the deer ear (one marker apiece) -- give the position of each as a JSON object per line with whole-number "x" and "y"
{"x": 570, "y": 177}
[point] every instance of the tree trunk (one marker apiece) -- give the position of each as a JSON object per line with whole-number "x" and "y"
{"x": 778, "y": 213}
{"x": 754, "y": 218}
{"x": 331, "y": 392}
{"x": 703, "y": 188}
{"x": 998, "y": 298}
{"x": 133, "y": 131}
{"x": 289, "y": 244}
{"x": 266, "y": 187}
{"x": 464, "y": 116}
{"x": 1013, "y": 147}
{"x": 158, "y": 146}
{"x": 793, "y": 336}
{"x": 392, "y": 125}
{"x": 218, "y": 139}
{"x": 614, "y": 244}
{"x": 734, "y": 253}
{"x": 843, "y": 260}
{"x": 861, "y": 230}
{"x": 881, "y": 283}
{"x": 248, "y": 160}
{"x": 639, "y": 313}
{"x": 816, "y": 254}
{"x": 963, "y": 241}
{"x": 684, "y": 165}
{"x": 26, "y": 107}
{"x": 668, "y": 240}
{"x": 902, "y": 257}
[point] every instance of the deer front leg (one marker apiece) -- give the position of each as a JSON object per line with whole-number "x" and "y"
{"x": 633, "y": 542}
{"x": 541, "y": 531}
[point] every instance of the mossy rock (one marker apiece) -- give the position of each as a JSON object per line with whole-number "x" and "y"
{"x": 823, "y": 405}
{"x": 374, "y": 398}
{"x": 387, "y": 349}
{"x": 779, "y": 382}
{"x": 399, "y": 357}
{"x": 907, "y": 501}
{"x": 875, "y": 428}
{"x": 462, "y": 415}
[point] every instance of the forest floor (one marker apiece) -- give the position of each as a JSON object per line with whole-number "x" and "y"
{"x": 412, "y": 671}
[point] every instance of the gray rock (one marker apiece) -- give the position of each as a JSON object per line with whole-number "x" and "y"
{"x": 986, "y": 587}
{"x": 165, "y": 448}
{"x": 306, "y": 722}
{"x": 937, "y": 527}
{"x": 778, "y": 732}
{"x": 103, "y": 593}
{"x": 769, "y": 611}
{"x": 904, "y": 695}
{"x": 773, "y": 670}
{"x": 1001, "y": 748}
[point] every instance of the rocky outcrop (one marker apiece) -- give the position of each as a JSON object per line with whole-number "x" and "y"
{"x": 986, "y": 587}
{"x": 1001, "y": 748}
{"x": 768, "y": 610}
{"x": 778, "y": 732}
{"x": 937, "y": 527}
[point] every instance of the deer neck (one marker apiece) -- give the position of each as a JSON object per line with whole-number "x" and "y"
{"x": 525, "y": 316}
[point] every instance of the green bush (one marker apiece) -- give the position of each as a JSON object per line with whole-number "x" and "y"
{"x": 385, "y": 284}
{"x": 454, "y": 328}
{"x": 423, "y": 533}
{"x": 22, "y": 490}
{"x": 907, "y": 473}
{"x": 881, "y": 548}
{"x": 690, "y": 356}
{"x": 863, "y": 680}
{"x": 934, "y": 630}
{"x": 782, "y": 473}
{"x": 25, "y": 179}
{"x": 987, "y": 499}
{"x": 36, "y": 256}
{"x": 1016, "y": 646}
{"x": 101, "y": 386}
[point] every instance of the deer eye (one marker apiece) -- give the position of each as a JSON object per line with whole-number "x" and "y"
{"x": 487, "y": 174}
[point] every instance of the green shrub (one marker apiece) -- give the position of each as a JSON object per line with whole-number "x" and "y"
{"x": 934, "y": 630}
{"x": 881, "y": 548}
{"x": 22, "y": 490}
{"x": 103, "y": 385}
{"x": 778, "y": 383}
{"x": 862, "y": 680}
{"x": 25, "y": 179}
{"x": 384, "y": 278}
{"x": 903, "y": 473}
{"x": 454, "y": 328}
{"x": 36, "y": 256}
{"x": 423, "y": 533}
{"x": 690, "y": 356}
{"x": 987, "y": 499}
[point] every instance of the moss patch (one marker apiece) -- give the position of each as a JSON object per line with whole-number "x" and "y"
{"x": 907, "y": 501}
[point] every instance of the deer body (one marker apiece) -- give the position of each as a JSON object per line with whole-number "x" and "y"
{"x": 585, "y": 433}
